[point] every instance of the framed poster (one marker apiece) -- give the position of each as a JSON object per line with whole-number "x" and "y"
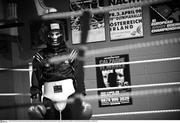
{"x": 165, "y": 16}
{"x": 125, "y": 23}
{"x": 97, "y": 30}
{"x": 113, "y": 76}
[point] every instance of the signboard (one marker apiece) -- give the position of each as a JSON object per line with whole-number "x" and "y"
{"x": 97, "y": 31}
{"x": 113, "y": 76}
{"x": 125, "y": 23}
{"x": 165, "y": 17}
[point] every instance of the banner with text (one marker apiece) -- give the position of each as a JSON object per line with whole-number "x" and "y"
{"x": 97, "y": 31}
{"x": 165, "y": 17}
{"x": 125, "y": 23}
{"x": 113, "y": 76}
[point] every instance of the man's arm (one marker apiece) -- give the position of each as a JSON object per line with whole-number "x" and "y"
{"x": 36, "y": 111}
{"x": 77, "y": 67}
{"x": 36, "y": 87}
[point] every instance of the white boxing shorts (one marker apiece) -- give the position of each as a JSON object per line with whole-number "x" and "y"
{"x": 59, "y": 91}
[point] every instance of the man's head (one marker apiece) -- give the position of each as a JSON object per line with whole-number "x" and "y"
{"x": 55, "y": 34}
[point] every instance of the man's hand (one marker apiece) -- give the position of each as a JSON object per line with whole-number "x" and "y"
{"x": 81, "y": 110}
{"x": 37, "y": 112}
{"x": 87, "y": 111}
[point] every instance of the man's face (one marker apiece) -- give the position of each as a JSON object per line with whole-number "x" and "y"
{"x": 55, "y": 38}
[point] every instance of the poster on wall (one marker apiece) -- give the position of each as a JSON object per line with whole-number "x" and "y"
{"x": 113, "y": 76}
{"x": 165, "y": 16}
{"x": 97, "y": 30}
{"x": 125, "y": 23}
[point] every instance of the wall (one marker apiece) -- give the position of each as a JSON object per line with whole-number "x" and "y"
{"x": 13, "y": 82}
{"x": 6, "y": 83}
{"x": 6, "y": 86}
{"x": 147, "y": 73}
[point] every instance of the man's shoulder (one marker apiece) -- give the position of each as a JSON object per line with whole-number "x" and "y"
{"x": 40, "y": 53}
{"x": 72, "y": 50}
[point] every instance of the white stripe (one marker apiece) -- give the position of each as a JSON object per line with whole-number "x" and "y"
{"x": 136, "y": 113}
{"x": 134, "y": 93}
{"x": 135, "y": 86}
{"x": 112, "y": 64}
{"x": 37, "y": 58}
{"x": 14, "y": 94}
{"x": 74, "y": 56}
{"x": 9, "y": 69}
{"x": 101, "y": 51}
{"x": 133, "y": 62}
{"x": 132, "y": 46}
{"x": 39, "y": 55}
{"x": 71, "y": 52}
